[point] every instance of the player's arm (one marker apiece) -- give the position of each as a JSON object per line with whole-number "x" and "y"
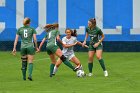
{"x": 102, "y": 38}
{"x": 59, "y": 40}
{"x": 69, "y": 45}
{"x": 100, "y": 41}
{"x": 35, "y": 41}
{"x": 42, "y": 42}
{"x": 15, "y": 44}
{"x": 83, "y": 44}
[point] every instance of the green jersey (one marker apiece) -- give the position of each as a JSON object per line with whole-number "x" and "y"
{"x": 94, "y": 34}
{"x": 51, "y": 37}
{"x": 26, "y": 34}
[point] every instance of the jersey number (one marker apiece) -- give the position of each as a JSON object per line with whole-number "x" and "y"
{"x": 49, "y": 35}
{"x": 25, "y": 33}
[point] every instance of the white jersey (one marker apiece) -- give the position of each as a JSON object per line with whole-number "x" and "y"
{"x": 68, "y": 51}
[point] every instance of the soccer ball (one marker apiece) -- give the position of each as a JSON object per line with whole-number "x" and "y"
{"x": 80, "y": 73}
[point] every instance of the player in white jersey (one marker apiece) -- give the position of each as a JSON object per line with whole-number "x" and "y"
{"x": 69, "y": 41}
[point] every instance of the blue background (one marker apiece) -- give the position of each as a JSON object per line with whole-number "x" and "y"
{"x": 115, "y": 12}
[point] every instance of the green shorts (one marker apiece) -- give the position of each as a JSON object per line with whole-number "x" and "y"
{"x": 51, "y": 49}
{"x": 27, "y": 51}
{"x": 91, "y": 48}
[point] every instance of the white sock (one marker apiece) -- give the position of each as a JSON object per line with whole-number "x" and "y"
{"x": 55, "y": 69}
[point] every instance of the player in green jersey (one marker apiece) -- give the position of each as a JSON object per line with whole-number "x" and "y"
{"x": 52, "y": 36}
{"x": 95, "y": 46}
{"x": 26, "y": 33}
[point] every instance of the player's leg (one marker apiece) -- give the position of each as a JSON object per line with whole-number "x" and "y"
{"x": 30, "y": 66}
{"x": 24, "y": 62}
{"x": 53, "y": 60}
{"x": 63, "y": 58}
{"x": 58, "y": 63}
{"x": 101, "y": 61}
{"x": 24, "y": 66}
{"x": 30, "y": 52}
{"x": 76, "y": 61}
{"x": 90, "y": 61}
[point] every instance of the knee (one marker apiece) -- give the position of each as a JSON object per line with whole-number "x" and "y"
{"x": 99, "y": 57}
{"x": 63, "y": 58}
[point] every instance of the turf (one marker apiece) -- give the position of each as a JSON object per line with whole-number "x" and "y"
{"x": 123, "y": 68}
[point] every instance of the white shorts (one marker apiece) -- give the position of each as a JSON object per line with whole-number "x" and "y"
{"x": 69, "y": 57}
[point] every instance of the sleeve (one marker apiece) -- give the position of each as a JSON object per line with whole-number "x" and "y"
{"x": 57, "y": 33}
{"x": 45, "y": 36}
{"x": 100, "y": 32}
{"x": 87, "y": 30}
{"x": 64, "y": 40}
{"x": 18, "y": 32}
{"x": 34, "y": 31}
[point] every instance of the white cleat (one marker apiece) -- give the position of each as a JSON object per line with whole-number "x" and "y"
{"x": 90, "y": 74}
{"x": 105, "y": 73}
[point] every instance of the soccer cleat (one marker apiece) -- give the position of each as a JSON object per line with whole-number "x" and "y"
{"x": 51, "y": 75}
{"x": 105, "y": 73}
{"x": 29, "y": 78}
{"x": 90, "y": 74}
{"x": 24, "y": 78}
{"x": 79, "y": 67}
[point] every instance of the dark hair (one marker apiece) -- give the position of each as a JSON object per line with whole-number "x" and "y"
{"x": 49, "y": 27}
{"x": 73, "y": 32}
{"x": 93, "y": 21}
{"x": 27, "y": 21}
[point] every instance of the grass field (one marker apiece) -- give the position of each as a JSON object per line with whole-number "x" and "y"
{"x": 123, "y": 68}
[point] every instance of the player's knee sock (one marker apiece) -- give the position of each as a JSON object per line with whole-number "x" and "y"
{"x": 66, "y": 62}
{"x": 55, "y": 69}
{"x": 51, "y": 68}
{"x": 24, "y": 68}
{"x": 30, "y": 69}
{"x": 90, "y": 66}
{"x": 101, "y": 61}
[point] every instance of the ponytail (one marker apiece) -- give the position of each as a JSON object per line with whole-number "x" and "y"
{"x": 74, "y": 33}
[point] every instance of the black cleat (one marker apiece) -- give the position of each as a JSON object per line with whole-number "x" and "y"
{"x": 24, "y": 79}
{"x": 30, "y": 78}
{"x": 51, "y": 75}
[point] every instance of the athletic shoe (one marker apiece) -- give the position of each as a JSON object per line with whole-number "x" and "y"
{"x": 78, "y": 68}
{"x": 30, "y": 78}
{"x": 51, "y": 75}
{"x": 90, "y": 74}
{"x": 105, "y": 73}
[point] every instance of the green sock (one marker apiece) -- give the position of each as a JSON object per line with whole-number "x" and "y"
{"x": 24, "y": 68}
{"x": 90, "y": 66}
{"x": 101, "y": 61}
{"x": 66, "y": 62}
{"x": 51, "y": 68}
{"x": 30, "y": 69}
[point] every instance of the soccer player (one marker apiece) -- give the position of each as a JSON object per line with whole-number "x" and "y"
{"x": 26, "y": 33}
{"x": 68, "y": 42}
{"x": 95, "y": 46}
{"x": 52, "y": 48}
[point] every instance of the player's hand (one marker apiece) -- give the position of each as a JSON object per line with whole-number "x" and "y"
{"x": 96, "y": 45}
{"x": 86, "y": 46}
{"x": 83, "y": 44}
{"x": 14, "y": 52}
{"x": 37, "y": 50}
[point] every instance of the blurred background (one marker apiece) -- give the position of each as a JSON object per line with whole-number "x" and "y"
{"x": 118, "y": 19}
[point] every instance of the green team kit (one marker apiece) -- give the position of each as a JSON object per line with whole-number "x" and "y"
{"x": 94, "y": 34}
{"x": 26, "y": 34}
{"x": 51, "y": 43}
